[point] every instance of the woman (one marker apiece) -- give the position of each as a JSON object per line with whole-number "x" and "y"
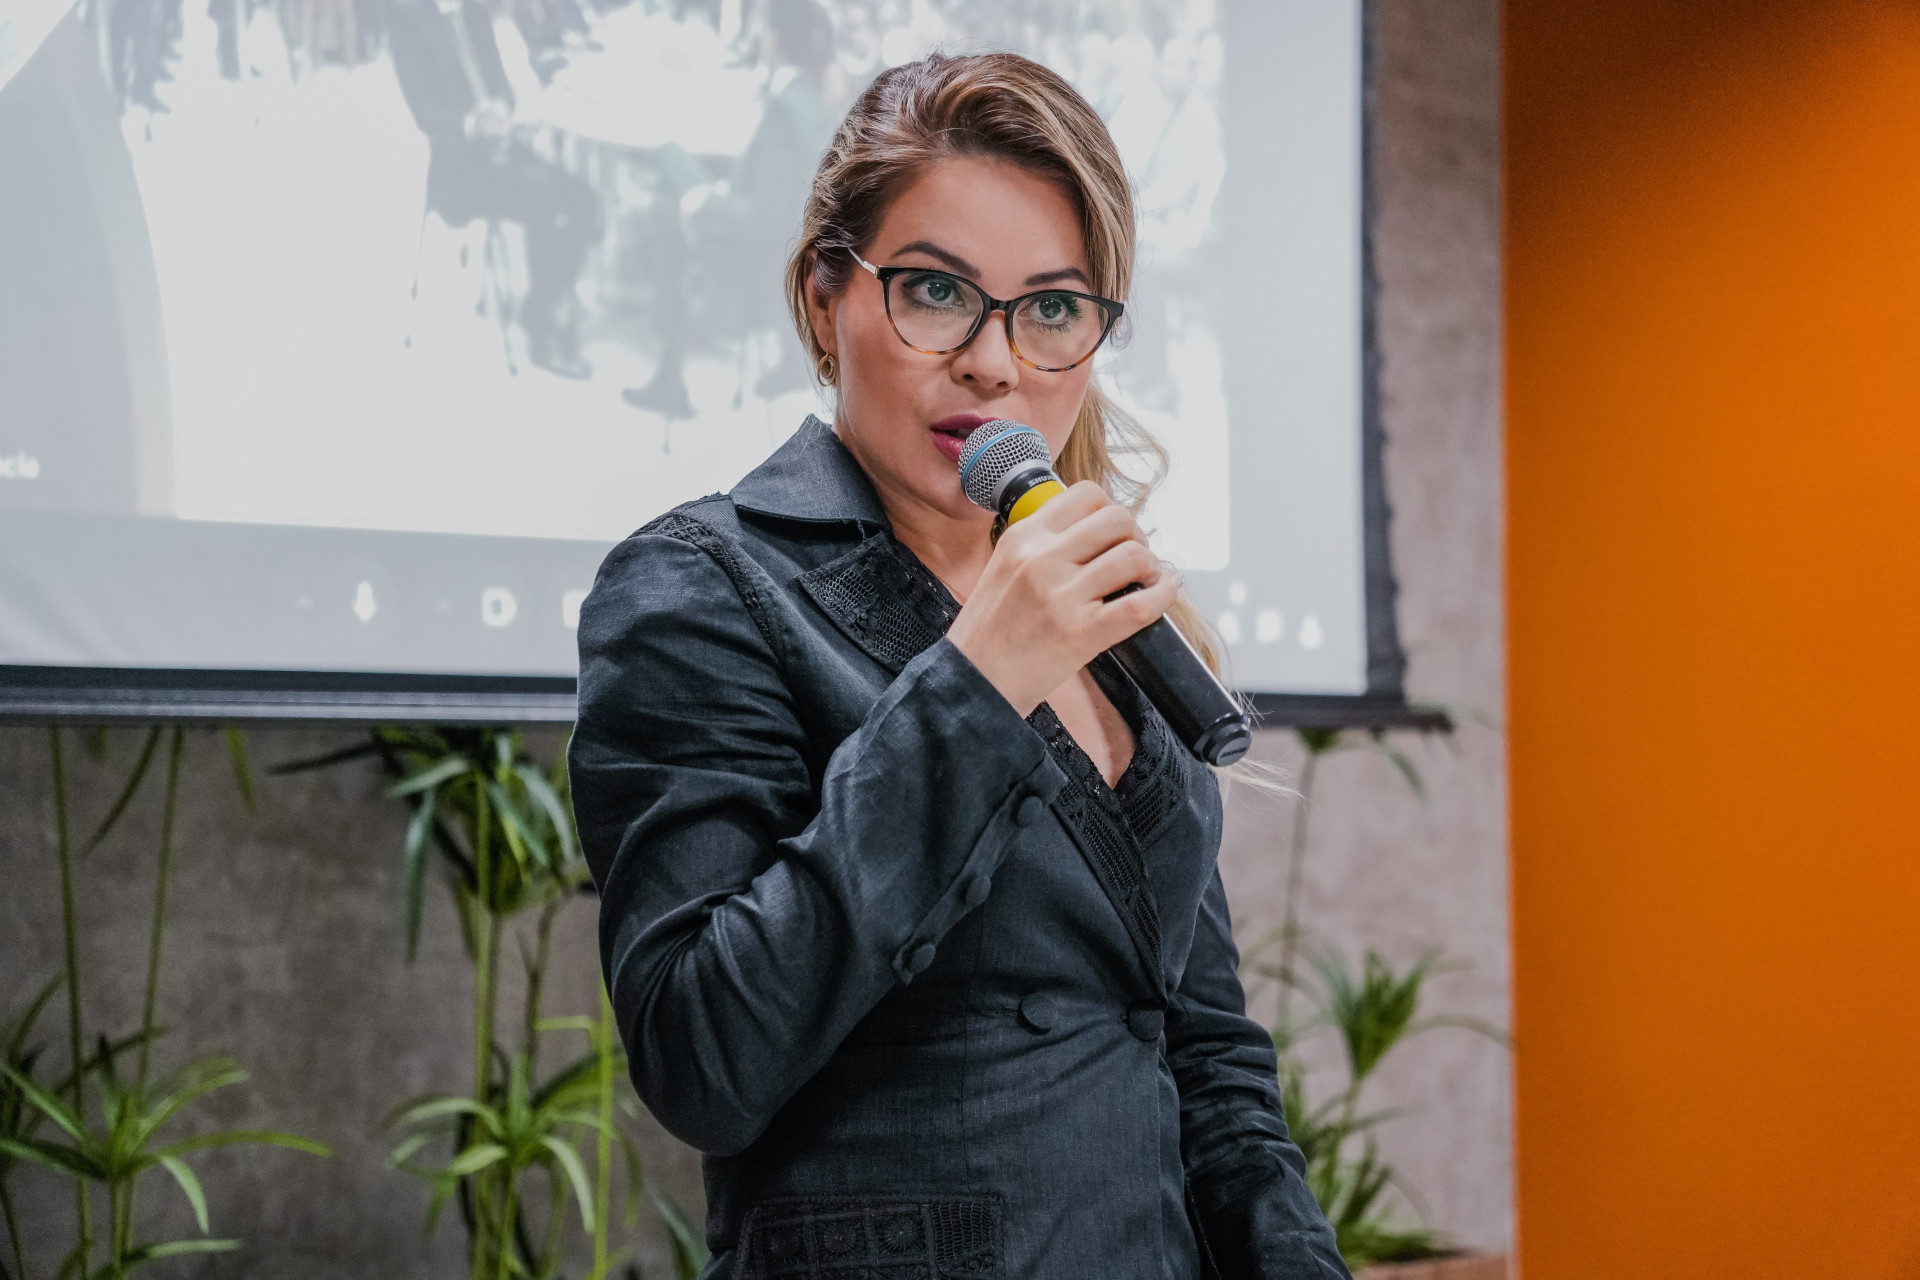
{"x": 909, "y": 907}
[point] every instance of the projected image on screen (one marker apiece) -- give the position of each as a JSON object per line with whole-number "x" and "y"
{"x": 348, "y": 334}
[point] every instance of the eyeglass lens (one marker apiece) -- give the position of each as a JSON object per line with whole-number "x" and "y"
{"x": 935, "y": 312}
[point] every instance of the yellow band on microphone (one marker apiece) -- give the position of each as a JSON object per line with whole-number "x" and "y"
{"x": 1033, "y": 499}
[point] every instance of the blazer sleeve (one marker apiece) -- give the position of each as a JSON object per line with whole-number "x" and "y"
{"x": 746, "y": 923}
{"x": 1246, "y": 1178}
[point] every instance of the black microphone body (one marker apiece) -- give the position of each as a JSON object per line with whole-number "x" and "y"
{"x": 1008, "y": 464}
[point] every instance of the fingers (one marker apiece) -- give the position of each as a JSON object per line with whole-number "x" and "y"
{"x": 1077, "y": 503}
{"x": 1090, "y": 538}
{"x": 1123, "y": 616}
{"x": 1114, "y": 569}
{"x": 1040, "y": 611}
{"x": 1084, "y": 520}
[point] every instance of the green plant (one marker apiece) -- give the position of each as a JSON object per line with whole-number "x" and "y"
{"x": 502, "y": 828}
{"x": 19, "y": 1056}
{"x": 690, "y": 1253}
{"x": 1373, "y": 1011}
{"x": 1318, "y": 743}
{"x": 20, "y": 1118}
{"x": 114, "y": 1145}
{"x": 526, "y": 1130}
{"x": 124, "y": 1146}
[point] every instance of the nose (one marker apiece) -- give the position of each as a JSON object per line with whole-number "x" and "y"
{"x": 988, "y": 363}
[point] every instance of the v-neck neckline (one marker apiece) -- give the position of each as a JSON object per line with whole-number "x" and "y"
{"x": 1114, "y": 685}
{"x": 1113, "y": 826}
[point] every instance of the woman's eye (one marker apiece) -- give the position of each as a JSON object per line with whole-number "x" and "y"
{"x": 1056, "y": 309}
{"x": 933, "y": 291}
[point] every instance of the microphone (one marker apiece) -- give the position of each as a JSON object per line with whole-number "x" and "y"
{"x": 1007, "y": 468}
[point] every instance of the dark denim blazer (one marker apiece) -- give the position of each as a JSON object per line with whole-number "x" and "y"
{"x": 930, "y": 996}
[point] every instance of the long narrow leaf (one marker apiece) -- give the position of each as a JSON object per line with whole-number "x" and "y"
{"x": 636, "y": 1179}
{"x": 75, "y": 1263}
{"x": 476, "y": 1158}
{"x": 452, "y": 767}
{"x": 544, "y": 796}
{"x": 442, "y": 1192}
{"x": 689, "y": 1249}
{"x": 404, "y": 1152}
{"x": 189, "y": 1183}
{"x": 109, "y": 1051}
{"x": 399, "y": 1109}
{"x": 1400, "y": 761}
{"x": 265, "y": 1137}
{"x": 581, "y": 1073}
{"x": 174, "y": 1248}
{"x": 557, "y": 777}
{"x": 125, "y": 798}
{"x": 520, "y": 840}
{"x": 451, "y": 1106}
{"x": 242, "y": 770}
{"x": 357, "y": 752}
{"x": 1462, "y": 1022}
{"x": 22, "y": 1026}
{"x": 188, "y": 1093}
{"x": 576, "y": 1174}
{"x": 59, "y": 1159}
{"x": 576, "y": 1023}
{"x": 413, "y": 872}
{"x": 48, "y": 1105}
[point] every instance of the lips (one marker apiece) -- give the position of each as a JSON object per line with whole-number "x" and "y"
{"x": 951, "y": 432}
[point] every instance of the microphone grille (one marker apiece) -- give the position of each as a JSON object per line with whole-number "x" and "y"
{"x": 995, "y": 452}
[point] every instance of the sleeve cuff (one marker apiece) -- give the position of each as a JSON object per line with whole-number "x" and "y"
{"x": 985, "y": 733}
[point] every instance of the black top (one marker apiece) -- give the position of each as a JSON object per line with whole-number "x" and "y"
{"x": 933, "y": 999}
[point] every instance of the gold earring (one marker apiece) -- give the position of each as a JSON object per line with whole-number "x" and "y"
{"x": 826, "y": 368}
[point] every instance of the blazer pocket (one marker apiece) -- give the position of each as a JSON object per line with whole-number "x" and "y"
{"x": 871, "y": 1238}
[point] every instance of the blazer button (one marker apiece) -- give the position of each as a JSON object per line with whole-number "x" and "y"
{"x": 1038, "y": 1011}
{"x": 1029, "y": 811}
{"x": 1146, "y": 1020}
{"x": 922, "y": 957}
{"x": 977, "y": 890}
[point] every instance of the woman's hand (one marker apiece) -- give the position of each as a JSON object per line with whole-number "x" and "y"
{"x": 1039, "y": 612}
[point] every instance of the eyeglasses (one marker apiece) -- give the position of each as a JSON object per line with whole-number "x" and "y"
{"x": 937, "y": 313}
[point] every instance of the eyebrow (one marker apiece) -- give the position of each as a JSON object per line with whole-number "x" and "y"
{"x": 959, "y": 264}
{"x": 962, "y": 267}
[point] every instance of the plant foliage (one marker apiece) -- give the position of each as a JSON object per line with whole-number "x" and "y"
{"x": 1373, "y": 1010}
{"x": 127, "y": 1144}
{"x": 108, "y": 1148}
{"x": 500, "y": 828}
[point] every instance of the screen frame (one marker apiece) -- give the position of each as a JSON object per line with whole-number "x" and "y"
{"x": 85, "y": 694}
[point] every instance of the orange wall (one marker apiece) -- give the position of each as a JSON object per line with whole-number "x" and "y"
{"x": 1713, "y": 258}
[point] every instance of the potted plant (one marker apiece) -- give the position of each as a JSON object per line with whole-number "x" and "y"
{"x": 1373, "y": 1009}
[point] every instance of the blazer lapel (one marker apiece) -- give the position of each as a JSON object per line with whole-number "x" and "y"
{"x": 1099, "y": 826}
{"x": 882, "y": 599}
{"x": 889, "y": 605}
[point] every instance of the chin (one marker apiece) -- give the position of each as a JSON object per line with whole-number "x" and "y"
{"x": 945, "y": 495}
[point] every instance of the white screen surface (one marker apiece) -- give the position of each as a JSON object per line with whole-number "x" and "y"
{"x": 303, "y": 378}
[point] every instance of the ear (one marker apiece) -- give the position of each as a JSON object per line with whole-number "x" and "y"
{"x": 821, "y": 310}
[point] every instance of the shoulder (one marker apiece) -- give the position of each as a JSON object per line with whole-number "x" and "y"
{"x": 676, "y": 623}
{"x": 679, "y": 566}
{"x": 709, "y": 523}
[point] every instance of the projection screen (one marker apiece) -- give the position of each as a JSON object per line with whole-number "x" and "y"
{"x": 340, "y": 339}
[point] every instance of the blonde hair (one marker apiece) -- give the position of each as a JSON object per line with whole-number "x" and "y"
{"x": 1010, "y": 108}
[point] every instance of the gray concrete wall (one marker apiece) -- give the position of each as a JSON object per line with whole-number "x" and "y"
{"x": 1384, "y": 869}
{"x": 284, "y": 949}
{"x": 285, "y": 943}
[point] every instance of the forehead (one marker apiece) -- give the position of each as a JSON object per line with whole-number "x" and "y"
{"x": 1008, "y": 222}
